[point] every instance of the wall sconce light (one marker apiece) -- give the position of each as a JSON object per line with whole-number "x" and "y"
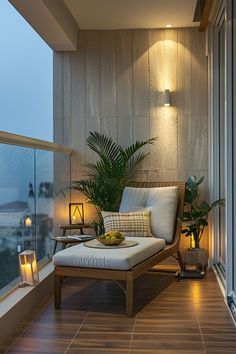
{"x": 28, "y": 268}
{"x": 76, "y": 213}
{"x": 166, "y": 102}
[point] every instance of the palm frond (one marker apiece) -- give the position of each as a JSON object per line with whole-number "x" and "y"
{"x": 104, "y": 146}
{"x": 134, "y": 161}
{"x": 128, "y": 152}
{"x": 107, "y": 177}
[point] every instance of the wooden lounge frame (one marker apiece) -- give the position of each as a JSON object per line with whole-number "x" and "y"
{"x": 128, "y": 275}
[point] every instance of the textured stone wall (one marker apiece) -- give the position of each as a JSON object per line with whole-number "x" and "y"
{"x": 114, "y": 84}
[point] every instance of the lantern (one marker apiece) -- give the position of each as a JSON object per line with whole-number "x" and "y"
{"x": 28, "y": 221}
{"x": 28, "y": 268}
{"x": 76, "y": 213}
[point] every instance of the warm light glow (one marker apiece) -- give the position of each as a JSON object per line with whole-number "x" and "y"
{"x": 76, "y": 213}
{"x": 28, "y": 268}
{"x": 195, "y": 294}
{"x": 168, "y": 26}
{"x": 192, "y": 241}
{"x": 28, "y": 222}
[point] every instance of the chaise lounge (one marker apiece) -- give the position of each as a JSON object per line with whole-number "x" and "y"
{"x": 120, "y": 265}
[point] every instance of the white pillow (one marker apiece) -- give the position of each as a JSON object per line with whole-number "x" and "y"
{"x": 161, "y": 201}
{"x": 134, "y": 199}
{"x": 134, "y": 224}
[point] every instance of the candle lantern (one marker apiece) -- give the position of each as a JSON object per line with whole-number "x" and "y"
{"x": 76, "y": 213}
{"x": 28, "y": 221}
{"x": 28, "y": 268}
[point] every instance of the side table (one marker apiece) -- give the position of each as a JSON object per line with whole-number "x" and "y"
{"x": 65, "y": 240}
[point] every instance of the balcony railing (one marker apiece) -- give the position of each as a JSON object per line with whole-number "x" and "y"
{"x": 32, "y": 172}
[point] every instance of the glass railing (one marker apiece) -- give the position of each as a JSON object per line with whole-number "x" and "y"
{"x": 29, "y": 211}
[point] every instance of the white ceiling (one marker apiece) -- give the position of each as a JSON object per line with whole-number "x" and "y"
{"x": 125, "y": 14}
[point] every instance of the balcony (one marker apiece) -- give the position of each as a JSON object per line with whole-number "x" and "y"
{"x": 110, "y": 75}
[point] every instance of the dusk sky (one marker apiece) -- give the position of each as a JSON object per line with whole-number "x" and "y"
{"x": 25, "y": 78}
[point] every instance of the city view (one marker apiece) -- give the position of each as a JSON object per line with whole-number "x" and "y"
{"x": 26, "y": 207}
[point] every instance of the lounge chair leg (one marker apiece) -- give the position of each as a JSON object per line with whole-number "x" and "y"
{"x": 129, "y": 297}
{"x": 57, "y": 291}
{"x": 180, "y": 259}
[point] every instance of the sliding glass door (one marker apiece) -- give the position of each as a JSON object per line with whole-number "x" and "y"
{"x": 233, "y": 293}
{"x": 219, "y": 140}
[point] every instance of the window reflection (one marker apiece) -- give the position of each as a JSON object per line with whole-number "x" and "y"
{"x": 27, "y": 180}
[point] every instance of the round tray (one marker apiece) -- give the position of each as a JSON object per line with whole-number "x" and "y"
{"x": 97, "y": 244}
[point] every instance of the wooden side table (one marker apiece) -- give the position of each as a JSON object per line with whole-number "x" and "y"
{"x": 65, "y": 240}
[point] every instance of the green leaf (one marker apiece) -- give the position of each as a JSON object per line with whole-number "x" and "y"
{"x": 219, "y": 202}
{"x": 196, "y": 211}
{"x": 107, "y": 177}
{"x": 200, "y": 180}
{"x": 105, "y": 147}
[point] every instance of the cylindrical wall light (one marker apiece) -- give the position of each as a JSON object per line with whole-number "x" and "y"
{"x": 28, "y": 268}
{"x": 166, "y": 98}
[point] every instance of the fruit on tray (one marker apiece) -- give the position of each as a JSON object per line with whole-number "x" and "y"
{"x": 111, "y": 238}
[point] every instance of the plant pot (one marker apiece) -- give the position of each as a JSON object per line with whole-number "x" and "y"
{"x": 196, "y": 257}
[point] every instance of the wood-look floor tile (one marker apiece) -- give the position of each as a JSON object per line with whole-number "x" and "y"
{"x": 38, "y": 346}
{"x": 217, "y": 338}
{"x": 169, "y": 342}
{"x": 154, "y": 314}
{"x": 50, "y": 332}
{"x": 218, "y": 329}
{"x": 94, "y": 340}
{"x": 214, "y": 320}
{"x": 96, "y": 351}
{"x": 164, "y": 351}
{"x": 183, "y": 347}
{"x": 60, "y": 317}
{"x": 220, "y": 347}
{"x": 106, "y": 322}
{"x": 167, "y": 326}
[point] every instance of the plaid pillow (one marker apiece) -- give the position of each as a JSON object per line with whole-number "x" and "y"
{"x": 131, "y": 224}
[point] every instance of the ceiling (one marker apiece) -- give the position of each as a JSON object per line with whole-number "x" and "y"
{"x": 126, "y": 14}
{"x": 58, "y": 21}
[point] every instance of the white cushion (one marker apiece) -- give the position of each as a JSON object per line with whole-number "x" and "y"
{"x": 134, "y": 199}
{"x": 119, "y": 258}
{"x": 136, "y": 223}
{"x": 162, "y": 201}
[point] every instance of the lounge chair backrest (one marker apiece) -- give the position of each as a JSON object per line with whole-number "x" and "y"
{"x": 166, "y": 205}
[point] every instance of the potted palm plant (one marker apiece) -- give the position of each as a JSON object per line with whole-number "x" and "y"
{"x": 107, "y": 177}
{"x": 195, "y": 219}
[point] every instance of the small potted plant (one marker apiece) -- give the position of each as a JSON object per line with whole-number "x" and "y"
{"x": 195, "y": 220}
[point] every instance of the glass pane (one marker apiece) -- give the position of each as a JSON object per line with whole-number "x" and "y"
{"x": 234, "y": 142}
{"x": 27, "y": 204}
{"x": 44, "y": 204}
{"x": 222, "y": 233}
{"x": 16, "y": 174}
{"x": 61, "y": 181}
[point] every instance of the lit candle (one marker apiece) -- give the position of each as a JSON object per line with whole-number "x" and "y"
{"x": 28, "y": 222}
{"x": 28, "y": 268}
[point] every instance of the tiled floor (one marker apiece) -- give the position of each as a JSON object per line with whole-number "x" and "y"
{"x": 186, "y": 317}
